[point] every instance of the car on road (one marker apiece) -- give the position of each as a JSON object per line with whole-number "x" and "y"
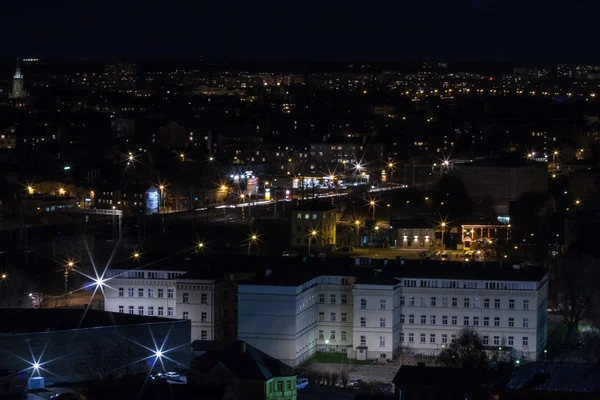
{"x": 355, "y": 383}
{"x": 301, "y": 383}
{"x": 290, "y": 253}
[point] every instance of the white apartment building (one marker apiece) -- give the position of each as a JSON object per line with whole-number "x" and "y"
{"x": 422, "y": 308}
{"x": 206, "y": 298}
{"x": 293, "y": 318}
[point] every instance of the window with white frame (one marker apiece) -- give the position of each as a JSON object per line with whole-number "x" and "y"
{"x": 343, "y": 335}
{"x": 423, "y": 301}
{"x": 150, "y": 310}
{"x": 401, "y": 318}
{"x": 486, "y": 303}
{"x": 432, "y": 319}
{"x": 321, "y": 316}
{"x": 363, "y": 340}
{"x": 444, "y": 320}
{"x": 525, "y": 304}
{"x": 203, "y": 317}
{"x": 186, "y": 315}
{"x": 467, "y": 302}
{"x": 204, "y": 335}
{"x": 121, "y": 292}
{"x": 496, "y": 303}
{"x": 411, "y": 319}
{"x": 121, "y": 310}
{"x": 130, "y": 292}
{"x": 332, "y": 298}
{"x": 171, "y": 293}
{"x": 423, "y": 319}
{"x": 454, "y": 302}
{"x": 496, "y": 321}
{"x": 332, "y": 335}
{"x": 454, "y": 320}
{"x": 382, "y": 322}
{"x": 444, "y": 338}
{"x": 511, "y": 304}
{"x": 466, "y": 320}
{"x": 186, "y": 297}
{"x": 444, "y": 302}
{"x": 344, "y": 317}
{"x": 161, "y": 311}
{"x": 363, "y": 303}
{"x": 423, "y": 338}
{"x": 511, "y": 322}
{"x": 332, "y": 317}
{"x": 432, "y": 338}
{"x": 363, "y": 321}
{"x": 321, "y": 334}
{"x": 140, "y": 292}
{"x": 344, "y": 299}
{"x": 432, "y": 302}
{"x": 486, "y": 321}
{"x": 411, "y": 301}
{"x": 411, "y": 338}
{"x": 382, "y": 304}
{"x": 130, "y": 309}
{"x": 511, "y": 341}
{"x": 486, "y": 340}
{"x": 171, "y": 311}
{"x": 401, "y": 337}
{"x": 453, "y": 338}
{"x": 140, "y": 310}
{"x": 525, "y": 322}
{"x": 203, "y": 298}
{"x": 475, "y": 321}
{"x": 525, "y": 341}
{"x": 161, "y": 293}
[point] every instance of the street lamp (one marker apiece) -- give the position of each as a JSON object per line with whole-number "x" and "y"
{"x": 376, "y": 229}
{"x": 372, "y": 204}
{"x": 313, "y": 234}
{"x": 160, "y": 201}
{"x": 443, "y": 225}
{"x": 69, "y": 267}
{"x": 4, "y": 276}
{"x": 357, "y": 224}
{"x": 253, "y": 239}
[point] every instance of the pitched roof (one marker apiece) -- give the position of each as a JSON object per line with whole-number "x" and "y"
{"x": 561, "y": 377}
{"x": 243, "y": 361}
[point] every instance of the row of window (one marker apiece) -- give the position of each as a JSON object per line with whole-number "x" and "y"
{"x": 434, "y": 283}
{"x": 453, "y": 302}
{"x": 161, "y": 294}
{"x": 363, "y": 341}
{"x": 333, "y": 298}
{"x": 332, "y": 317}
{"x": 496, "y": 341}
{"x": 343, "y": 335}
{"x": 161, "y": 311}
{"x": 454, "y": 320}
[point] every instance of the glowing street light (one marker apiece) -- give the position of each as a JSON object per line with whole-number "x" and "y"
{"x": 61, "y": 191}
{"x": 252, "y": 240}
{"x": 4, "y": 276}
{"x": 443, "y": 225}
{"x": 373, "y": 204}
{"x": 158, "y": 354}
{"x": 313, "y": 235}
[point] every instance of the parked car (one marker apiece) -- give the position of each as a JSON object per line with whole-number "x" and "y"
{"x": 301, "y": 383}
{"x": 355, "y": 383}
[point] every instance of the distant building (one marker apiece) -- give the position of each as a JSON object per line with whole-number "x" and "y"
{"x": 502, "y": 180}
{"x": 68, "y": 345}
{"x": 314, "y": 222}
{"x": 206, "y": 298}
{"x": 18, "y": 87}
{"x": 421, "y": 306}
{"x": 8, "y": 137}
{"x": 251, "y": 373}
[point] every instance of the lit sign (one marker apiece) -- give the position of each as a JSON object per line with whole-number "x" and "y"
{"x": 383, "y": 176}
{"x": 287, "y": 195}
{"x": 267, "y": 194}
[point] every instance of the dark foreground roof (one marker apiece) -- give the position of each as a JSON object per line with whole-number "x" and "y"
{"x": 242, "y": 361}
{"x": 314, "y": 206}
{"x": 154, "y": 391}
{"x": 556, "y": 377}
{"x": 29, "y": 320}
{"x": 409, "y": 375}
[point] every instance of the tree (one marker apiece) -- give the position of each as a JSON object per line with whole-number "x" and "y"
{"x": 576, "y": 279}
{"x": 403, "y": 356}
{"x": 466, "y": 352}
{"x": 107, "y": 360}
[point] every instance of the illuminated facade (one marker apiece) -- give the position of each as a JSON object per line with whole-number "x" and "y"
{"x": 208, "y": 300}
{"x": 314, "y": 222}
{"x": 18, "y": 87}
{"x": 422, "y": 307}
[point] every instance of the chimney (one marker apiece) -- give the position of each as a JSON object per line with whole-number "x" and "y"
{"x": 268, "y": 272}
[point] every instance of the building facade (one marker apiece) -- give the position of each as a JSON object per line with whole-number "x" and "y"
{"x": 207, "y": 300}
{"x": 415, "y": 309}
{"x": 314, "y": 223}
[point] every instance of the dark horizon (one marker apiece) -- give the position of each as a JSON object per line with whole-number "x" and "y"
{"x": 534, "y": 32}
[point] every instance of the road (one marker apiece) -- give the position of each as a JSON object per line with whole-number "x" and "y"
{"x": 383, "y": 373}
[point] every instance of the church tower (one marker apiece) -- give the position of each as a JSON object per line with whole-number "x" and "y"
{"x": 18, "y": 89}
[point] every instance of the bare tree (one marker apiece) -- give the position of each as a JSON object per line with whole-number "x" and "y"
{"x": 107, "y": 360}
{"x": 576, "y": 280}
{"x": 403, "y": 356}
{"x": 467, "y": 351}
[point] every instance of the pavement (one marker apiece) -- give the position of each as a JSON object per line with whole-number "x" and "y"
{"x": 383, "y": 373}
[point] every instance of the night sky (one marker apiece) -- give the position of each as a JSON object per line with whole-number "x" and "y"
{"x": 325, "y": 30}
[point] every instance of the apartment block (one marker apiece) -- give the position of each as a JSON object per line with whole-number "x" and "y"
{"x": 205, "y": 297}
{"x": 369, "y": 313}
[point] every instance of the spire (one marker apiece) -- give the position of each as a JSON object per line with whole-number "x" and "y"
{"x": 18, "y": 74}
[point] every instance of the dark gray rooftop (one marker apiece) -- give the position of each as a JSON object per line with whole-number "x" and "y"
{"x": 29, "y": 320}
